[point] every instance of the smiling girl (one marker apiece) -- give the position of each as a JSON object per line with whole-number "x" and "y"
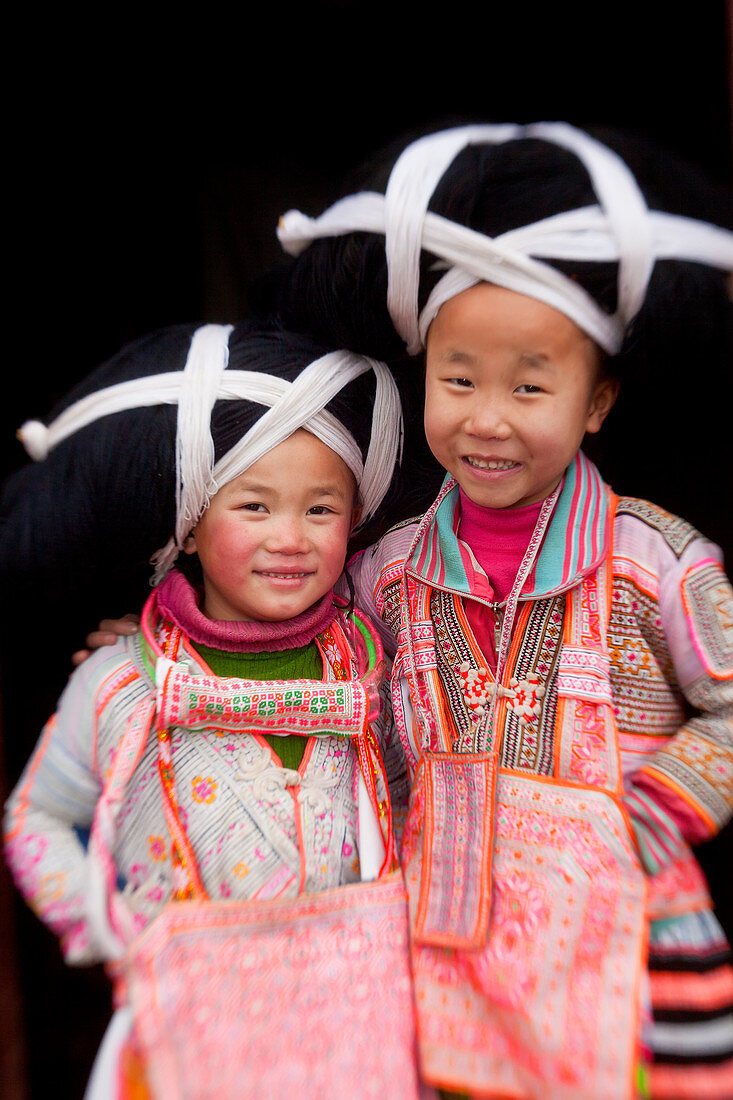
{"x": 213, "y": 755}
{"x": 563, "y": 671}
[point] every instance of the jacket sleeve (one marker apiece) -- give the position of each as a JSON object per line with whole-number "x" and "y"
{"x": 684, "y": 791}
{"x": 49, "y": 815}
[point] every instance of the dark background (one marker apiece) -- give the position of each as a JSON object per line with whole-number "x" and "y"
{"x": 147, "y": 160}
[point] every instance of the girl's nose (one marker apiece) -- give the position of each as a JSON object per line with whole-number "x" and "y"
{"x": 287, "y": 535}
{"x": 488, "y": 420}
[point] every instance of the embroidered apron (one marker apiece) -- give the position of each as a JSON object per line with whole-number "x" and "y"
{"x": 309, "y": 996}
{"x": 527, "y": 898}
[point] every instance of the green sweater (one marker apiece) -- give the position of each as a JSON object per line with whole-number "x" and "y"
{"x": 304, "y": 663}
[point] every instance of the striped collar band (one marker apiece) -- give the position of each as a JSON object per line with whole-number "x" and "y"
{"x": 576, "y": 541}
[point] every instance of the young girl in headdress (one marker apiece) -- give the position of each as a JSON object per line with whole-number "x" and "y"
{"x": 563, "y": 671}
{"x": 234, "y": 750}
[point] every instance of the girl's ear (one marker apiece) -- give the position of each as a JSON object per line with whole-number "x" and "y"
{"x": 602, "y": 401}
{"x": 189, "y": 546}
{"x": 355, "y": 517}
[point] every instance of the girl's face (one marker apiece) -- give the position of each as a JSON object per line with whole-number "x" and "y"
{"x": 512, "y": 386}
{"x": 273, "y": 541}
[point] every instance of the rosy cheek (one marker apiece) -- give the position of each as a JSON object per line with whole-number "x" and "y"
{"x": 227, "y": 543}
{"x": 333, "y": 551}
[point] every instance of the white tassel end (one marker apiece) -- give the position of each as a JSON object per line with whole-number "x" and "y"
{"x": 34, "y": 437}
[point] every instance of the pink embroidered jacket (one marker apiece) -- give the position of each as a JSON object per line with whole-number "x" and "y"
{"x": 618, "y": 682}
{"x": 669, "y": 652}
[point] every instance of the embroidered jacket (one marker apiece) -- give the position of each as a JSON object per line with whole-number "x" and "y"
{"x": 259, "y": 830}
{"x": 670, "y": 639}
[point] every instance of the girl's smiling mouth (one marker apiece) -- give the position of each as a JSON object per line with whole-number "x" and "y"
{"x": 283, "y": 574}
{"x": 491, "y": 463}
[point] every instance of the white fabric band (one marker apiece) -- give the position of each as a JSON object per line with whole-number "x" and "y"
{"x": 413, "y": 179}
{"x": 207, "y": 360}
{"x": 291, "y": 405}
{"x": 620, "y": 229}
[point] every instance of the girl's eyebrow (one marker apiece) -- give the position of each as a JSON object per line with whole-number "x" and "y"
{"x": 457, "y": 355}
{"x": 535, "y": 359}
{"x": 526, "y": 358}
{"x": 251, "y": 487}
{"x": 329, "y": 491}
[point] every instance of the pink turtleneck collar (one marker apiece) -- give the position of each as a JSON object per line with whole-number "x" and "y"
{"x": 178, "y": 601}
{"x": 498, "y": 539}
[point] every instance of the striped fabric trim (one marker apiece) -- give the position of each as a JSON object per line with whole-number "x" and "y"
{"x": 688, "y": 959}
{"x": 691, "y": 987}
{"x": 582, "y": 508}
{"x": 441, "y": 565}
{"x": 702, "y": 1082}
{"x": 693, "y": 1039}
{"x": 657, "y": 834}
{"x": 707, "y": 993}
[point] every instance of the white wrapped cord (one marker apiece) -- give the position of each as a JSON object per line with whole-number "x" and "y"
{"x": 619, "y": 229}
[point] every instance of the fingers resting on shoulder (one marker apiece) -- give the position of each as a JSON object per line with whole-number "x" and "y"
{"x": 107, "y": 633}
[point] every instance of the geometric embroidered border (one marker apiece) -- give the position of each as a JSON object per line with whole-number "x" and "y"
{"x": 455, "y": 891}
{"x": 708, "y": 600}
{"x": 452, "y": 649}
{"x": 531, "y": 746}
{"x": 306, "y": 707}
{"x": 643, "y": 679}
{"x": 389, "y": 604}
{"x": 677, "y": 533}
{"x": 526, "y": 740}
{"x": 584, "y": 673}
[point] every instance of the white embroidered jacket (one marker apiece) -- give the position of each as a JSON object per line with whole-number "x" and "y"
{"x": 258, "y": 830}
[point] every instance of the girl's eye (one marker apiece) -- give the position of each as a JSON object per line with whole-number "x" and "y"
{"x": 465, "y": 383}
{"x": 529, "y": 388}
{"x": 319, "y": 510}
{"x": 254, "y": 506}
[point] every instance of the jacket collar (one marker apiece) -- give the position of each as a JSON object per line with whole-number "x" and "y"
{"x": 576, "y": 540}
